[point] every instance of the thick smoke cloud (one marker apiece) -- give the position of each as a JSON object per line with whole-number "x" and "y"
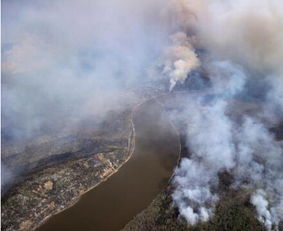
{"x": 59, "y": 55}
{"x": 221, "y": 135}
{"x": 221, "y": 141}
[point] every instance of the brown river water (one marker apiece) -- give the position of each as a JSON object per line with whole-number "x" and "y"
{"x": 113, "y": 203}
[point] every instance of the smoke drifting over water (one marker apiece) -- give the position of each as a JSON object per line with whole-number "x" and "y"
{"x": 67, "y": 60}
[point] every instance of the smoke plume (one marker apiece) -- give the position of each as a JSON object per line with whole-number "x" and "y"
{"x": 244, "y": 47}
{"x": 181, "y": 59}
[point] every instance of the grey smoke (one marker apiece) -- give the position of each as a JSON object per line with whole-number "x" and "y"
{"x": 73, "y": 59}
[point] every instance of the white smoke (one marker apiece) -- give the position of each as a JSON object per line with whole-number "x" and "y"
{"x": 221, "y": 135}
{"x": 260, "y": 161}
{"x": 261, "y": 204}
{"x": 193, "y": 195}
{"x": 220, "y": 142}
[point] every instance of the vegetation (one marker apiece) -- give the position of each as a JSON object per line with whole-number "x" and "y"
{"x": 232, "y": 213}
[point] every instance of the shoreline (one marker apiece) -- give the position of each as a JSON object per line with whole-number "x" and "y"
{"x": 131, "y": 149}
{"x": 31, "y": 224}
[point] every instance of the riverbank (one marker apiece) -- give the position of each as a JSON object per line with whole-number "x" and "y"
{"x": 135, "y": 185}
{"x": 49, "y": 191}
{"x": 233, "y": 211}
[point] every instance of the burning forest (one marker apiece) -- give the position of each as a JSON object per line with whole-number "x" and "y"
{"x": 75, "y": 74}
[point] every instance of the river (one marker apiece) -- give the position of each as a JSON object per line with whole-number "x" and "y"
{"x": 113, "y": 203}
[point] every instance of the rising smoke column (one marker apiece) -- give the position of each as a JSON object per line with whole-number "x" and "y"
{"x": 181, "y": 59}
{"x": 249, "y": 34}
